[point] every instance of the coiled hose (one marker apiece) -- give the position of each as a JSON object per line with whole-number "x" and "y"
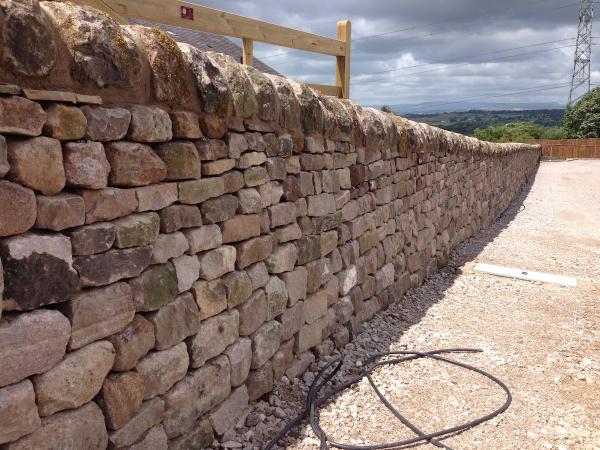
{"x": 371, "y": 363}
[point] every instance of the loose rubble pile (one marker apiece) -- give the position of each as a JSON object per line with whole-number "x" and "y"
{"x": 165, "y": 262}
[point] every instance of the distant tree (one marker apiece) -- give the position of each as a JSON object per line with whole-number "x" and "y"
{"x": 554, "y": 133}
{"x": 582, "y": 120}
{"x": 511, "y": 132}
{"x": 387, "y": 109}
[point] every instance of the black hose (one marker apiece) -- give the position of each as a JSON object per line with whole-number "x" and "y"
{"x": 371, "y": 363}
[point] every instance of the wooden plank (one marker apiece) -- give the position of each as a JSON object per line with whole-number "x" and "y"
{"x": 89, "y": 99}
{"x": 325, "y": 89}
{"x": 343, "y": 32}
{"x": 526, "y": 275}
{"x": 50, "y": 96}
{"x": 102, "y": 6}
{"x": 248, "y": 52}
{"x": 10, "y": 89}
{"x": 193, "y": 16}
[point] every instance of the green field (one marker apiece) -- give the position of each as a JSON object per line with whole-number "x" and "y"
{"x": 466, "y": 122}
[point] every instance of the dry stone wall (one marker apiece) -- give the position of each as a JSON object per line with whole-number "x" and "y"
{"x": 171, "y": 253}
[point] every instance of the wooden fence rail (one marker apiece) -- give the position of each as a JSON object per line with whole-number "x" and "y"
{"x": 569, "y": 148}
{"x": 197, "y": 17}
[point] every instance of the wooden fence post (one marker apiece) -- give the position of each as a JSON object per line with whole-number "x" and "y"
{"x": 343, "y": 32}
{"x": 248, "y": 52}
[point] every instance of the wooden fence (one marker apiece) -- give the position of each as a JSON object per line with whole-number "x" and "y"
{"x": 196, "y": 17}
{"x": 570, "y": 148}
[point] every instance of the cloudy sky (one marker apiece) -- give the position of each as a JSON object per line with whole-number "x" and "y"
{"x": 438, "y": 51}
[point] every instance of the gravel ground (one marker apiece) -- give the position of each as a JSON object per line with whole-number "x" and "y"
{"x": 542, "y": 340}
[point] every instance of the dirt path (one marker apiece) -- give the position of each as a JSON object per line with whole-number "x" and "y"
{"x": 542, "y": 340}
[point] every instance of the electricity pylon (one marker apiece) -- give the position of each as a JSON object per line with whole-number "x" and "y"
{"x": 583, "y": 53}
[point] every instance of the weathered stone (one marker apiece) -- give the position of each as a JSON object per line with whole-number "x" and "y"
{"x": 155, "y": 287}
{"x": 75, "y": 380}
{"x": 255, "y": 176}
{"x": 238, "y": 287}
{"x": 149, "y": 414}
{"x": 226, "y": 415}
{"x": 259, "y": 275}
{"x": 106, "y": 124}
{"x": 168, "y": 246}
{"x": 260, "y": 381}
{"x": 199, "y": 437}
{"x": 288, "y": 233}
{"x": 81, "y": 428}
{"x": 108, "y": 204}
{"x": 149, "y": 124}
{"x": 219, "y": 209}
{"x": 240, "y": 358}
{"x": 233, "y": 181}
{"x": 296, "y": 283}
{"x": 163, "y": 369}
{"x": 134, "y": 164}
{"x": 66, "y": 123}
{"x": 348, "y": 279}
{"x": 187, "y": 269}
{"x": 198, "y": 191}
{"x": 283, "y": 258}
{"x": 250, "y": 201}
{"x": 315, "y": 307}
{"x": 282, "y": 359}
{"x": 282, "y": 214}
{"x": 38, "y": 271}
{"x": 132, "y": 343}
{"x": 210, "y": 296}
{"x": 237, "y": 144}
{"x": 203, "y": 238}
{"x": 329, "y": 242}
{"x": 211, "y": 149}
{"x": 37, "y": 163}
{"x": 176, "y": 217}
{"x": 156, "y": 197}
{"x": 253, "y": 250}
{"x": 291, "y": 320}
{"x": 181, "y": 160}
{"x": 270, "y": 194}
{"x": 240, "y": 228}
{"x": 309, "y": 249}
{"x": 185, "y": 125}
{"x": 18, "y": 411}
{"x": 85, "y": 165}
{"x": 120, "y": 398}
{"x": 114, "y": 265}
{"x": 300, "y": 365}
{"x": 196, "y": 394}
{"x": 321, "y": 205}
{"x": 154, "y": 439}
{"x": 17, "y": 208}
{"x": 98, "y": 313}
{"x": 253, "y": 312}
{"x": 265, "y": 342}
{"x": 21, "y": 116}
{"x": 213, "y": 127}
{"x": 215, "y": 335}
{"x": 217, "y": 262}
{"x": 4, "y": 166}
{"x": 175, "y": 321}
{"x": 277, "y": 297}
{"x": 217, "y": 167}
{"x": 319, "y": 273}
{"x": 310, "y": 335}
{"x": 136, "y": 230}
{"x": 250, "y": 159}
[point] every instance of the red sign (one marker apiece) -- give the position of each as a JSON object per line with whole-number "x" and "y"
{"x": 187, "y": 13}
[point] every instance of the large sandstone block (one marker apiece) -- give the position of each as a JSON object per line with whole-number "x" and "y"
{"x": 4, "y": 166}
{"x": 149, "y": 414}
{"x": 203, "y": 238}
{"x": 260, "y": 381}
{"x": 135, "y": 341}
{"x": 226, "y": 415}
{"x": 32, "y": 343}
{"x": 168, "y": 246}
{"x": 59, "y": 212}
{"x": 310, "y": 335}
{"x": 81, "y": 428}
{"x": 185, "y": 125}
{"x": 187, "y": 269}
{"x": 154, "y": 439}
{"x": 175, "y": 321}
{"x": 253, "y": 312}
{"x": 321, "y": 205}
{"x": 309, "y": 249}
{"x": 181, "y": 160}
{"x": 215, "y": 335}
{"x": 282, "y": 214}
{"x": 217, "y": 262}
{"x": 197, "y": 191}
{"x": 155, "y": 287}
{"x": 38, "y": 270}
{"x": 250, "y": 201}
{"x": 211, "y": 149}
{"x": 149, "y": 124}
{"x": 114, "y": 265}
{"x": 291, "y": 320}
{"x": 106, "y": 124}
{"x": 315, "y": 307}
{"x": 238, "y": 287}
{"x": 108, "y": 204}
{"x": 85, "y": 165}
{"x": 240, "y": 228}
{"x": 210, "y": 296}
{"x": 156, "y": 196}
{"x": 218, "y": 167}
{"x": 200, "y": 437}
{"x": 259, "y": 275}
{"x": 121, "y": 397}
{"x": 18, "y": 411}
{"x": 196, "y": 394}
{"x": 265, "y": 342}
{"x": 253, "y": 250}
{"x": 21, "y": 116}
{"x": 98, "y": 313}
{"x": 163, "y": 369}
{"x": 283, "y": 359}
{"x": 283, "y": 259}
{"x": 37, "y": 163}
{"x": 18, "y": 208}
{"x": 240, "y": 358}
{"x": 134, "y": 164}
{"x": 219, "y": 209}
{"x": 75, "y": 380}
{"x": 66, "y": 123}
{"x": 136, "y": 230}
{"x": 296, "y": 283}
{"x": 277, "y": 297}
{"x": 176, "y": 217}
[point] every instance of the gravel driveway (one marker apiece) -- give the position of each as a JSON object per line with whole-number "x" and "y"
{"x": 542, "y": 340}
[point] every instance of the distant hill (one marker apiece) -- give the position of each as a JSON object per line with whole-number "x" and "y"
{"x": 466, "y": 122}
{"x": 437, "y": 107}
